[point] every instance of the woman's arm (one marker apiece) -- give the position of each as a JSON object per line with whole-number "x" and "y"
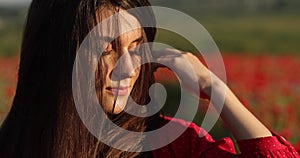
{"x": 242, "y": 123}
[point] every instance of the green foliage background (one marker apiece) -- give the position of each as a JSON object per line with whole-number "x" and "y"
{"x": 252, "y": 26}
{"x": 11, "y": 27}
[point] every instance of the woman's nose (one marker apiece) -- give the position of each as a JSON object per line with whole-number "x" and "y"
{"x": 124, "y": 68}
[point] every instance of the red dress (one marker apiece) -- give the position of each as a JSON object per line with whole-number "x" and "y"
{"x": 190, "y": 145}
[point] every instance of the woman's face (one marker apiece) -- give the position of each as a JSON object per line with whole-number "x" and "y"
{"x": 120, "y": 62}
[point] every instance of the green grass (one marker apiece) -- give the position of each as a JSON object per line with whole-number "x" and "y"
{"x": 3, "y": 101}
{"x": 11, "y": 31}
{"x": 10, "y": 42}
{"x": 269, "y": 33}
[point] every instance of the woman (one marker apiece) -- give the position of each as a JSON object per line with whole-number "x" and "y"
{"x": 44, "y": 122}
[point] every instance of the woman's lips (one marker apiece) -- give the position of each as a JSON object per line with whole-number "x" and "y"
{"x": 120, "y": 91}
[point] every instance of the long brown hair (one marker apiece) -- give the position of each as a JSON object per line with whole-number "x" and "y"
{"x": 43, "y": 121}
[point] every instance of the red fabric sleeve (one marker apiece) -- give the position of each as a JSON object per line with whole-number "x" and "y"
{"x": 275, "y": 146}
{"x": 190, "y": 145}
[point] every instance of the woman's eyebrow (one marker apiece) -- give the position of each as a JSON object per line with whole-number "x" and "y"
{"x": 138, "y": 40}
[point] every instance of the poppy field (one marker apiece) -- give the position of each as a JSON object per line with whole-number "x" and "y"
{"x": 268, "y": 85}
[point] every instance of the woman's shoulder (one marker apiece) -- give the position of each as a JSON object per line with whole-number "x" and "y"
{"x": 190, "y": 127}
{"x": 196, "y": 142}
{"x": 190, "y": 143}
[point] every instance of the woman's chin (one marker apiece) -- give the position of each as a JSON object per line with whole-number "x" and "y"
{"x": 117, "y": 110}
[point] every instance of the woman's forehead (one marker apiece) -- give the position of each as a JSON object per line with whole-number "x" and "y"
{"x": 121, "y": 25}
{"x": 121, "y": 19}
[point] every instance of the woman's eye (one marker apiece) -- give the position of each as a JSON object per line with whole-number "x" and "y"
{"x": 106, "y": 52}
{"x": 108, "y": 49}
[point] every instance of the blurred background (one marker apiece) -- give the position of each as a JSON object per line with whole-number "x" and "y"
{"x": 259, "y": 41}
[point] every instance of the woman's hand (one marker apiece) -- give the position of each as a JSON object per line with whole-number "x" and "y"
{"x": 188, "y": 67}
